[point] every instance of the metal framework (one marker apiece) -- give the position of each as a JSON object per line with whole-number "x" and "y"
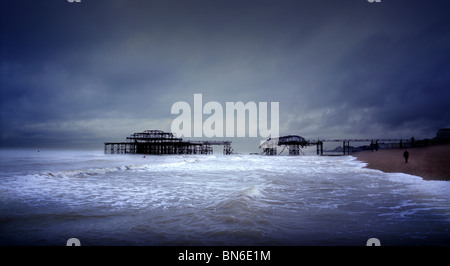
{"x": 292, "y": 142}
{"x": 295, "y": 143}
{"x": 160, "y": 142}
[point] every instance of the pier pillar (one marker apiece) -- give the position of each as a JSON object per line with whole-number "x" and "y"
{"x": 270, "y": 151}
{"x": 294, "y": 150}
{"x": 227, "y": 150}
{"x": 321, "y": 148}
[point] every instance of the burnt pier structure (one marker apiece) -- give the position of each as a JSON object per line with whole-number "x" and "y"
{"x": 292, "y": 142}
{"x": 295, "y": 143}
{"x": 160, "y": 142}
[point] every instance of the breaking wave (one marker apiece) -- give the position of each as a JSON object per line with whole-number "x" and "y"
{"x": 216, "y": 200}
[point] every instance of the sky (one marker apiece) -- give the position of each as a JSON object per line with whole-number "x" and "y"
{"x": 76, "y": 75}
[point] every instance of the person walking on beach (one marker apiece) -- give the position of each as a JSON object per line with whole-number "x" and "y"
{"x": 406, "y": 156}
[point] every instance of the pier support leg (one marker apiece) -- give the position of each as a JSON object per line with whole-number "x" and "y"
{"x": 321, "y": 148}
{"x": 227, "y": 150}
{"x": 294, "y": 150}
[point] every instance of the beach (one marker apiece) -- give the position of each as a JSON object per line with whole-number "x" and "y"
{"x": 430, "y": 162}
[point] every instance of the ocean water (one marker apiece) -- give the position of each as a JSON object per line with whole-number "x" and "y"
{"x": 48, "y": 197}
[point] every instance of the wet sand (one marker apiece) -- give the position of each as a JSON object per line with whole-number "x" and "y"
{"x": 430, "y": 163}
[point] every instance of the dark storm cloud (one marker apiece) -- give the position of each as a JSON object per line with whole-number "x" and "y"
{"x": 100, "y": 70}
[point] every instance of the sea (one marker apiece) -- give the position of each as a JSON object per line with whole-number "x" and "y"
{"x": 50, "y": 196}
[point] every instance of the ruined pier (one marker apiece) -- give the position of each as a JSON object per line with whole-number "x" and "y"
{"x": 295, "y": 143}
{"x": 160, "y": 142}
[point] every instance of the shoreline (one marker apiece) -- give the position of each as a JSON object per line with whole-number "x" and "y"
{"x": 430, "y": 162}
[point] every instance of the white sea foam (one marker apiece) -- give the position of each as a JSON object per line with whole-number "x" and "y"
{"x": 224, "y": 199}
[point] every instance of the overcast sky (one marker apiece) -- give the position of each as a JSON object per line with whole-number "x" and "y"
{"x": 80, "y": 74}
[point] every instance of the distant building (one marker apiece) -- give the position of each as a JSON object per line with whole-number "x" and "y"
{"x": 443, "y": 135}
